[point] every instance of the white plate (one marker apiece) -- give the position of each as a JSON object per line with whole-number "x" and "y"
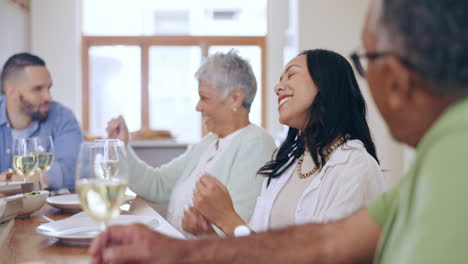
{"x": 80, "y": 229}
{"x": 72, "y": 202}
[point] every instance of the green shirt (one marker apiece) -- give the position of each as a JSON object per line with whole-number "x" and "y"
{"x": 425, "y": 218}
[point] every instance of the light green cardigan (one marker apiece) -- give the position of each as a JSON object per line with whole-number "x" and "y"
{"x": 236, "y": 169}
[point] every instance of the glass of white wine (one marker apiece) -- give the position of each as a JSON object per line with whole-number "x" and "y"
{"x": 107, "y": 164}
{"x": 25, "y": 161}
{"x": 101, "y": 179}
{"x": 45, "y": 154}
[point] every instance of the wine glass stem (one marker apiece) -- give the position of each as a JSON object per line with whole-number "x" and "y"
{"x": 40, "y": 180}
{"x": 103, "y": 226}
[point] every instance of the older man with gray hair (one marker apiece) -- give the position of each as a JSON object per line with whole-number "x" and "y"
{"x": 232, "y": 152}
{"x": 417, "y": 70}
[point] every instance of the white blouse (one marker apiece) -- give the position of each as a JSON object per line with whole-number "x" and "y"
{"x": 182, "y": 196}
{"x": 350, "y": 179}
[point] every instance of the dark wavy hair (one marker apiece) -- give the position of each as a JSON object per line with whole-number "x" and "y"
{"x": 338, "y": 109}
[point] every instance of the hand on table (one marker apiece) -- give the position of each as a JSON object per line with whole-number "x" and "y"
{"x": 7, "y": 176}
{"x": 116, "y": 128}
{"x": 211, "y": 199}
{"x": 195, "y": 223}
{"x": 133, "y": 244}
{"x": 14, "y": 177}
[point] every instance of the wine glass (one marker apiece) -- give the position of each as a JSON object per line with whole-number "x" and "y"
{"x": 45, "y": 154}
{"x": 25, "y": 161}
{"x": 101, "y": 179}
{"x": 107, "y": 163}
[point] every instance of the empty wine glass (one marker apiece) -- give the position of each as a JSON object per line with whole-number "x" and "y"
{"x": 101, "y": 179}
{"x": 25, "y": 161}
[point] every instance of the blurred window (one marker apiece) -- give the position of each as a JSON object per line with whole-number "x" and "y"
{"x": 175, "y": 17}
{"x": 140, "y": 59}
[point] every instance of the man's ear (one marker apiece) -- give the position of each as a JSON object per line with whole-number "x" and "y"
{"x": 9, "y": 88}
{"x": 237, "y": 97}
{"x": 401, "y": 86}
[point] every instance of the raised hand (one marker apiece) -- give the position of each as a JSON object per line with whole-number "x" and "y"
{"x": 117, "y": 128}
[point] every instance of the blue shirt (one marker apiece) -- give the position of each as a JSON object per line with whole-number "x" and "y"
{"x": 66, "y": 134}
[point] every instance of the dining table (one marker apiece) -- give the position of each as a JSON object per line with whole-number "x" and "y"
{"x": 24, "y": 245}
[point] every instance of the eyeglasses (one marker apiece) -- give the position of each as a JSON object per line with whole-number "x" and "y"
{"x": 361, "y": 65}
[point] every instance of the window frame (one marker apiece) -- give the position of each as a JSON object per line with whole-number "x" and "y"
{"x": 145, "y": 42}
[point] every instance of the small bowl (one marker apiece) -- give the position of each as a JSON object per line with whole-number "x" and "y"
{"x": 33, "y": 202}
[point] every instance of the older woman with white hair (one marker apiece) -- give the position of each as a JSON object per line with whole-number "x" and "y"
{"x": 232, "y": 151}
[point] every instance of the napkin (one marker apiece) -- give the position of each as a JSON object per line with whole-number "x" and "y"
{"x": 81, "y": 224}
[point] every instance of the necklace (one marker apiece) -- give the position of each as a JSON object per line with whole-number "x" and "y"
{"x": 327, "y": 153}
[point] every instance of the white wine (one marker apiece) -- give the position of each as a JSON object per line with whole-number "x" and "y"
{"x": 106, "y": 169}
{"x": 101, "y": 199}
{"x": 25, "y": 165}
{"x": 45, "y": 160}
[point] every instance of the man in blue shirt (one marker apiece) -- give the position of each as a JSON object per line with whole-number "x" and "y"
{"x": 27, "y": 110}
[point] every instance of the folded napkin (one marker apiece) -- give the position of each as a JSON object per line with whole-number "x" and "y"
{"x": 81, "y": 225}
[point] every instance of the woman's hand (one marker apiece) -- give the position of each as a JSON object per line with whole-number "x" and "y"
{"x": 212, "y": 200}
{"x": 195, "y": 223}
{"x": 116, "y": 128}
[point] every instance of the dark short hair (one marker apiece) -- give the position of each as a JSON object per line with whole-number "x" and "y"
{"x": 17, "y": 63}
{"x": 338, "y": 109}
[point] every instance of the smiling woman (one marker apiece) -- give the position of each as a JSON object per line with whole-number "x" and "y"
{"x": 227, "y": 88}
{"x": 326, "y": 103}
{"x": 293, "y": 103}
{"x": 232, "y": 152}
{"x": 326, "y": 168}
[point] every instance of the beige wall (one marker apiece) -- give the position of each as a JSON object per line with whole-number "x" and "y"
{"x": 278, "y": 23}
{"x": 336, "y": 25}
{"x": 51, "y": 30}
{"x": 14, "y": 30}
{"x": 56, "y": 37}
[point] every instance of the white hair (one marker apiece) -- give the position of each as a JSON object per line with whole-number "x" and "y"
{"x": 227, "y": 72}
{"x": 386, "y": 40}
